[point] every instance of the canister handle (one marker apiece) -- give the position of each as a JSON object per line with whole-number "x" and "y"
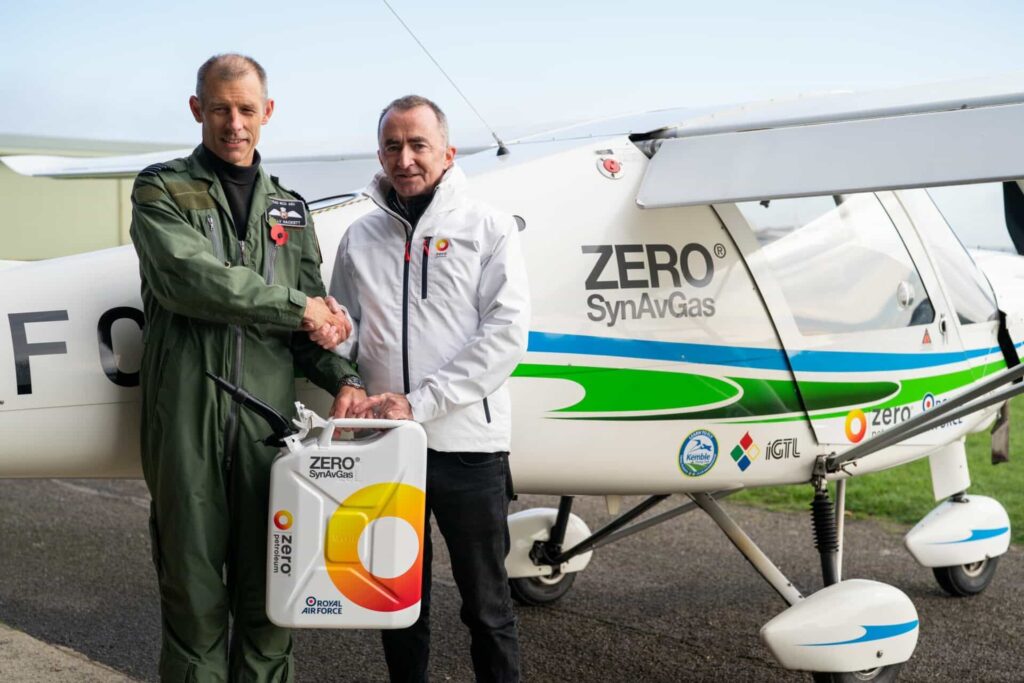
{"x": 326, "y": 434}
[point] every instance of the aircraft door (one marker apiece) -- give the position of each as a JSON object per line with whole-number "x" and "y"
{"x": 864, "y": 323}
{"x": 974, "y": 313}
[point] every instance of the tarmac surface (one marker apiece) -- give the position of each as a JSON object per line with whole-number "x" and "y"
{"x": 675, "y": 602}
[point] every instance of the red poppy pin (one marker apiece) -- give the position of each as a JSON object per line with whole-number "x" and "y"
{"x": 279, "y": 234}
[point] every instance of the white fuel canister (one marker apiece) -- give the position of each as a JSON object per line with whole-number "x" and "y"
{"x": 345, "y": 535}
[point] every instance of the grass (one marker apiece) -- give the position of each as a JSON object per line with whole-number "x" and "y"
{"x": 904, "y": 494}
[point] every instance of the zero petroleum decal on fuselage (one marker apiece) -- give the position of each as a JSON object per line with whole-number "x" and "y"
{"x": 624, "y": 267}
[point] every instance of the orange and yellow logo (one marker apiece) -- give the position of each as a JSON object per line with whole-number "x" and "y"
{"x": 442, "y": 245}
{"x": 856, "y": 425}
{"x": 382, "y": 523}
{"x": 283, "y": 520}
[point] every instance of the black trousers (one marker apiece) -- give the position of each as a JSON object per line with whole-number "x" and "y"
{"x": 468, "y": 494}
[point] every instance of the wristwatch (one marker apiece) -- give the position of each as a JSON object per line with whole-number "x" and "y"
{"x": 352, "y": 381}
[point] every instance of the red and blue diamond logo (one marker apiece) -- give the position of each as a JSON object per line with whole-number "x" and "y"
{"x": 745, "y": 452}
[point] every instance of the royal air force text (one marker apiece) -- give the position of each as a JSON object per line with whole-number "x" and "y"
{"x": 649, "y": 266}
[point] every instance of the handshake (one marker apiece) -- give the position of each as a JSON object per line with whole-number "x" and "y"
{"x": 326, "y": 321}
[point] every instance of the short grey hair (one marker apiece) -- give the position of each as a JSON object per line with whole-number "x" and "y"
{"x": 411, "y": 102}
{"x": 229, "y": 66}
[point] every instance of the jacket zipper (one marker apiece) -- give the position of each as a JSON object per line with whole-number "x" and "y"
{"x": 487, "y": 411}
{"x": 405, "y": 313}
{"x": 426, "y": 260}
{"x": 231, "y": 427}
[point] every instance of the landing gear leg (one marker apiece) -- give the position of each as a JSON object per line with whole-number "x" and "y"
{"x": 828, "y": 539}
{"x": 826, "y": 535}
{"x": 535, "y": 591}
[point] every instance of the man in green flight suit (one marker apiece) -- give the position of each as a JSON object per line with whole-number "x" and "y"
{"x": 231, "y": 284}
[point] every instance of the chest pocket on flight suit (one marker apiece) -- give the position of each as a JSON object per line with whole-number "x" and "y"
{"x": 208, "y": 219}
{"x": 193, "y": 198}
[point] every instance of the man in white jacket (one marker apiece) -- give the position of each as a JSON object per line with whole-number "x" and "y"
{"x": 436, "y": 288}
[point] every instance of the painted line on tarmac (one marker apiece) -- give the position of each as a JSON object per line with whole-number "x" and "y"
{"x": 27, "y": 660}
{"x": 78, "y": 488}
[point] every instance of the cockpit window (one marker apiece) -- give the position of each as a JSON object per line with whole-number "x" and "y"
{"x": 840, "y": 262}
{"x": 969, "y": 290}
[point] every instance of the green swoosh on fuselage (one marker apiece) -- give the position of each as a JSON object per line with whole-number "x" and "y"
{"x": 623, "y": 390}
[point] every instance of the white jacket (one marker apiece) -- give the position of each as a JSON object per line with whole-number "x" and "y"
{"x": 440, "y": 314}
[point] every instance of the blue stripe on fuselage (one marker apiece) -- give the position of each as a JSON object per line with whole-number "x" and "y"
{"x": 744, "y": 356}
{"x": 705, "y": 354}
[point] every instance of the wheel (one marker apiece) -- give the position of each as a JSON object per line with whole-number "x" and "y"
{"x": 964, "y": 580}
{"x": 882, "y": 674}
{"x": 537, "y": 591}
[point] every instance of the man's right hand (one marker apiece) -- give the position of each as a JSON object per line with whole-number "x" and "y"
{"x": 327, "y": 326}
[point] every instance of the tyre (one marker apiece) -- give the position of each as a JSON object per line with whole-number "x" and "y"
{"x": 537, "y": 591}
{"x": 964, "y": 580}
{"x": 883, "y": 674}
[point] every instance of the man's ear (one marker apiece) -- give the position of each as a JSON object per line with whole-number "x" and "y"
{"x": 449, "y": 157}
{"x": 268, "y": 110}
{"x": 197, "y": 108}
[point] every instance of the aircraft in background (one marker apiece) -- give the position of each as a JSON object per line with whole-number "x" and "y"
{"x": 759, "y": 295}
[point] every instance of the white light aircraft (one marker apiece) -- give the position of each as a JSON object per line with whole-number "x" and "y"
{"x": 722, "y": 299}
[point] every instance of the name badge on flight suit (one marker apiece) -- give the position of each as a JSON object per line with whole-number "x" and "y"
{"x": 287, "y": 212}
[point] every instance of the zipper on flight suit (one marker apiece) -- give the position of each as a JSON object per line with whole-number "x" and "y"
{"x": 230, "y": 430}
{"x": 271, "y": 261}
{"x": 231, "y": 426}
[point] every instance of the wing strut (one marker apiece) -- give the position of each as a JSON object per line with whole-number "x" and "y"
{"x": 956, "y": 407}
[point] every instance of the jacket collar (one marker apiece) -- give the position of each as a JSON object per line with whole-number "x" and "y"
{"x": 199, "y": 166}
{"x": 446, "y": 196}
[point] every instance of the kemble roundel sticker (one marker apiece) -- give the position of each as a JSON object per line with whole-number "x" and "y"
{"x": 698, "y": 453}
{"x": 374, "y": 546}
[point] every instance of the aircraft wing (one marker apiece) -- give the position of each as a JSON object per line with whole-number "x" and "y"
{"x": 314, "y": 176}
{"x": 917, "y": 137}
{"x": 123, "y": 166}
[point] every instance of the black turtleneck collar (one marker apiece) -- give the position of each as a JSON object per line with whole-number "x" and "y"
{"x": 410, "y": 208}
{"x": 238, "y": 183}
{"x": 240, "y": 175}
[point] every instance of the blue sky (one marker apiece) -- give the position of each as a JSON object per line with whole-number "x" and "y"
{"x": 120, "y": 70}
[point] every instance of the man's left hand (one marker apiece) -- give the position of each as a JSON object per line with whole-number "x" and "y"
{"x": 386, "y": 406}
{"x": 347, "y": 402}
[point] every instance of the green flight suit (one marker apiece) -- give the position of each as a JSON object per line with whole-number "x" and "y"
{"x": 233, "y": 308}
